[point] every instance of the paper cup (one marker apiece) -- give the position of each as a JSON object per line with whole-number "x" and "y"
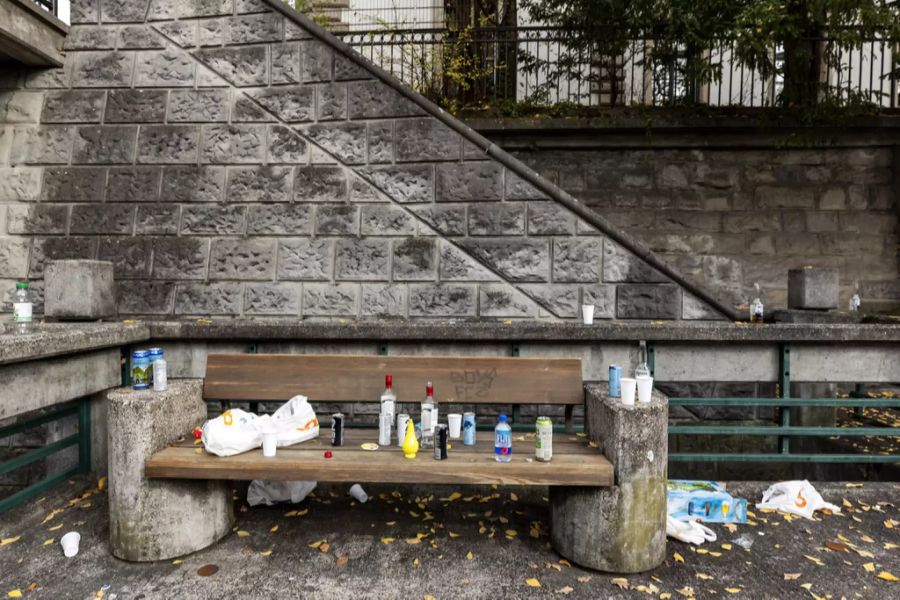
{"x": 69, "y": 543}
{"x": 269, "y": 443}
{"x": 587, "y": 313}
{"x": 358, "y": 493}
{"x": 644, "y": 389}
{"x": 629, "y": 387}
{"x": 455, "y": 422}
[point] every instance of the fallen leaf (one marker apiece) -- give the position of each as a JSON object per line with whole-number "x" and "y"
{"x": 513, "y": 497}
{"x": 452, "y": 534}
{"x": 869, "y": 567}
{"x": 726, "y": 546}
{"x": 678, "y": 557}
{"x": 10, "y": 540}
{"x": 317, "y": 543}
{"x": 428, "y": 597}
{"x": 32, "y": 586}
{"x": 469, "y": 556}
{"x": 101, "y": 483}
{"x": 416, "y": 562}
{"x": 621, "y": 582}
{"x": 887, "y": 576}
{"x": 553, "y": 566}
{"x": 890, "y": 523}
{"x": 504, "y": 520}
{"x": 391, "y": 523}
{"x": 342, "y": 560}
{"x": 563, "y": 561}
{"x": 511, "y": 533}
{"x": 413, "y": 541}
{"x": 274, "y": 529}
{"x": 567, "y": 590}
{"x": 242, "y": 533}
{"x": 686, "y": 591}
{"x": 177, "y": 561}
{"x": 14, "y": 594}
{"x": 867, "y": 539}
{"x": 843, "y": 539}
{"x": 704, "y": 576}
{"x": 836, "y": 546}
{"x": 854, "y": 485}
{"x": 665, "y": 596}
{"x": 324, "y": 548}
{"x": 864, "y": 553}
{"x": 207, "y": 570}
{"x": 731, "y": 527}
{"x": 266, "y": 553}
{"x": 790, "y": 576}
{"x": 735, "y": 590}
{"x": 806, "y": 586}
{"x": 813, "y": 559}
{"x": 890, "y": 546}
{"x": 584, "y": 579}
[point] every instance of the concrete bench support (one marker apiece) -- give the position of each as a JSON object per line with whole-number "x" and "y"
{"x": 159, "y": 519}
{"x": 621, "y": 529}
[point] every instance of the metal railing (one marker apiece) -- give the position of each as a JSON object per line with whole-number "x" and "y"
{"x": 82, "y": 440}
{"x": 491, "y": 65}
{"x": 48, "y": 5}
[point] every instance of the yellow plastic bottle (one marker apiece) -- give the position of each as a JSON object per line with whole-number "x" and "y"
{"x": 410, "y": 443}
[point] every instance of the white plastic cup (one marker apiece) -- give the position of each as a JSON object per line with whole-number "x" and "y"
{"x": 587, "y": 313}
{"x": 455, "y": 422}
{"x": 269, "y": 443}
{"x": 70, "y": 542}
{"x": 629, "y": 387}
{"x": 644, "y": 389}
{"x": 358, "y": 493}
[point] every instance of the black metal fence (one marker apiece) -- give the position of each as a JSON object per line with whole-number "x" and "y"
{"x": 479, "y": 66}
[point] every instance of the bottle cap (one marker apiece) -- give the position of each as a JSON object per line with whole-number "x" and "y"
{"x": 21, "y": 286}
{"x": 388, "y": 380}
{"x": 429, "y": 389}
{"x": 503, "y": 417}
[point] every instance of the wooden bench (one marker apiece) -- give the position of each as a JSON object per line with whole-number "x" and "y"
{"x": 463, "y": 382}
{"x": 606, "y": 489}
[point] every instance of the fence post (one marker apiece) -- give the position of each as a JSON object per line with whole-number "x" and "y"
{"x": 784, "y": 442}
{"x": 84, "y": 435}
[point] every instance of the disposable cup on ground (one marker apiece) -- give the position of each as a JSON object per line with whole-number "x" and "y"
{"x": 629, "y": 387}
{"x": 358, "y": 493}
{"x": 70, "y": 542}
{"x": 644, "y": 389}
{"x": 269, "y": 443}
{"x": 587, "y": 313}
{"x": 455, "y": 422}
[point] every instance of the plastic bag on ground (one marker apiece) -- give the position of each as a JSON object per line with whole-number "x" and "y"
{"x": 272, "y": 492}
{"x": 795, "y": 497}
{"x": 691, "y": 532}
{"x": 236, "y": 431}
{"x": 705, "y": 501}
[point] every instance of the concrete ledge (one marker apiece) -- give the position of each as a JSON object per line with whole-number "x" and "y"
{"x": 30, "y": 35}
{"x": 52, "y": 339}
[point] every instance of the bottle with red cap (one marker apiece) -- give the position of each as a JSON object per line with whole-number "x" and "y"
{"x": 388, "y": 397}
{"x": 429, "y": 416}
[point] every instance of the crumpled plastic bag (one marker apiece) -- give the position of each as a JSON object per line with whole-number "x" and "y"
{"x": 795, "y": 497}
{"x": 691, "y": 531}
{"x": 272, "y": 492}
{"x": 236, "y": 431}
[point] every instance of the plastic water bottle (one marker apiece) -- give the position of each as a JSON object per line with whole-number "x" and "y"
{"x": 502, "y": 440}
{"x": 23, "y": 310}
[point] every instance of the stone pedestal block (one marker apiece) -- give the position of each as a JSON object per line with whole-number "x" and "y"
{"x": 79, "y": 290}
{"x": 621, "y": 529}
{"x": 815, "y": 289}
{"x": 158, "y": 519}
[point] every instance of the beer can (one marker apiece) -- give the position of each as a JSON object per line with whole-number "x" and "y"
{"x": 543, "y": 444}
{"x": 140, "y": 369}
{"x": 402, "y": 420}
{"x": 469, "y": 429}
{"x": 441, "y": 437}
{"x": 385, "y": 420}
{"x": 155, "y": 355}
{"x": 615, "y": 381}
{"x": 337, "y": 429}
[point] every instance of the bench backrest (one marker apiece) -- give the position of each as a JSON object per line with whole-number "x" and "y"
{"x": 461, "y": 379}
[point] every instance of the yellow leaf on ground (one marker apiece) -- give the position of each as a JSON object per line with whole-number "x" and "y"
{"x": 533, "y": 582}
{"x": 413, "y": 541}
{"x": 704, "y": 576}
{"x": 14, "y": 594}
{"x": 621, "y": 582}
{"x": 887, "y": 576}
{"x": 341, "y": 560}
{"x": 665, "y": 596}
{"x": 513, "y": 497}
{"x": 387, "y": 540}
{"x": 870, "y": 567}
{"x": 274, "y": 529}
{"x": 453, "y": 535}
{"x": 890, "y": 546}
{"x": 731, "y": 527}
{"x": 843, "y": 539}
{"x": 813, "y": 559}
{"x": 686, "y": 591}
{"x": 428, "y": 597}
{"x": 890, "y": 523}
{"x": 391, "y": 523}
{"x": 8, "y": 541}
{"x": 735, "y": 590}
{"x": 678, "y": 557}
{"x": 55, "y": 527}
{"x": 101, "y": 483}
{"x": 32, "y": 586}
{"x": 790, "y": 576}
{"x": 266, "y": 553}
{"x": 565, "y": 590}
{"x": 864, "y": 553}
{"x": 317, "y": 543}
{"x": 854, "y": 485}
{"x": 563, "y": 561}
{"x": 177, "y": 561}
{"x": 866, "y": 539}
{"x": 469, "y": 556}
{"x": 511, "y": 532}
{"x": 726, "y": 546}
{"x": 48, "y": 541}
{"x": 504, "y": 520}
{"x": 416, "y": 562}
{"x": 806, "y": 586}
{"x": 242, "y": 533}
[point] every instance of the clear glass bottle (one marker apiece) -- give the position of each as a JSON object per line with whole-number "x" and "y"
{"x": 428, "y": 416}
{"x": 388, "y": 397}
{"x": 756, "y": 307}
{"x": 643, "y": 369}
{"x": 23, "y": 309}
{"x": 855, "y": 301}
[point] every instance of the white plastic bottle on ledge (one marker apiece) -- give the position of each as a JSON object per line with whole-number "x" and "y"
{"x": 23, "y": 310}
{"x": 160, "y": 375}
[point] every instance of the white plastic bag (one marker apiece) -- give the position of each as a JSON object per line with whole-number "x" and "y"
{"x": 690, "y": 531}
{"x": 236, "y": 431}
{"x": 271, "y": 492}
{"x": 795, "y": 497}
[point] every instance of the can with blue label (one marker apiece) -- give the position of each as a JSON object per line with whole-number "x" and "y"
{"x": 155, "y": 355}
{"x": 615, "y": 381}
{"x": 468, "y": 429}
{"x": 140, "y": 369}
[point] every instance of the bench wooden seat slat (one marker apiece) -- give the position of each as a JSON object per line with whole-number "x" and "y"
{"x": 382, "y": 467}
{"x": 345, "y": 378}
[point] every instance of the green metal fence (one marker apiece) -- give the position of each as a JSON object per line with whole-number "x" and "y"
{"x": 784, "y": 430}
{"x": 82, "y": 439}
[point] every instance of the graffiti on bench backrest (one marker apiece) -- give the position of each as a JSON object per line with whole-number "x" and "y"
{"x": 472, "y": 385}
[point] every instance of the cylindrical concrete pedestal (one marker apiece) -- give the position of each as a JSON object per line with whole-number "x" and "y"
{"x": 159, "y": 519}
{"x": 621, "y": 529}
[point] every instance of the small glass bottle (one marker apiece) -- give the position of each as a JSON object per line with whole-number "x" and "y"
{"x": 23, "y": 310}
{"x": 855, "y": 302}
{"x": 642, "y": 370}
{"x": 428, "y": 416}
{"x": 756, "y": 307}
{"x": 388, "y": 397}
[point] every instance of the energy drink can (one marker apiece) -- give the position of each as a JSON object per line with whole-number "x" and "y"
{"x": 385, "y": 421}
{"x": 469, "y": 429}
{"x": 140, "y": 369}
{"x": 543, "y": 444}
{"x": 337, "y": 429}
{"x": 402, "y": 420}
{"x": 441, "y": 437}
{"x": 615, "y": 381}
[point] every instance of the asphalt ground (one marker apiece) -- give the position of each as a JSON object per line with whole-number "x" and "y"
{"x": 447, "y": 542}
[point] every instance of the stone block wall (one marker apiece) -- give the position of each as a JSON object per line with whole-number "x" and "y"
{"x": 229, "y": 163}
{"x": 729, "y": 217}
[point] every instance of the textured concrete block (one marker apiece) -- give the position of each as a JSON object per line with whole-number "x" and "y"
{"x": 139, "y": 184}
{"x": 246, "y": 110}
{"x": 20, "y": 183}
{"x": 193, "y": 184}
{"x": 157, "y": 219}
{"x": 515, "y": 259}
{"x": 346, "y": 69}
{"x": 381, "y": 141}
{"x": 180, "y": 258}
{"x": 456, "y": 265}
{"x": 621, "y": 265}
{"x": 14, "y": 257}
{"x": 73, "y": 184}
{"x": 286, "y": 63}
{"x": 76, "y": 106}
{"x": 332, "y": 102}
{"x": 330, "y": 300}
{"x": 102, "y": 218}
{"x": 254, "y": 28}
{"x": 577, "y": 260}
{"x": 442, "y": 300}
{"x": 259, "y": 184}
{"x": 622, "y": 528}
{"x": 183, "y": 33}
{"x": 242, "y": 259}
{"x": 136, "y": 106}
{"x": 286, "y": 146}
{"x": 108, "y": 144}
{"x": 405, "y": 184}
{"x": 208, "y": 219}
{"x": 603, "y": 297}
{"x": 234, "y": 144}
{"x": 125, "y": 11}
{"x": 374, "y": 100}
{"x": 272, "y": 299}
{"x": 317, "y": 61}
{"x": 496, "y": 219}
{"x": 320, "y": 184}
{"x": 549, "y": 218}
{"x": 447, "y": 219}
{"x": 344, "y": 141}
{"x": 504, "y": 301}
{"x": 53, "y": 248}
{"x": 130, "y": 256}
{"x": 200, "y": 106}
{"x": 638, "y": 301}
{"x": 293, "y": 104}
{"x": 79, "y": 290}
{"x": 362, "y": 260}
{"x": 45, "y": 145}
{"x": 103, "y": 69}
{"x": 138, "y": 37}
{"x": 519, "y": 189}
{"x": 305, "y": 259}
{"x": 280, "y": 219}
{"x": 27, "y": 219}
{"x": 168, "y": 144}
{"x": 159, "y": 519}
{"x": 468, "y": 182}
{"x": 138, "y": 297}
{"x": 90, "y": 37}
{"x": 415, "y": 259}
{"x": 339, "y": 219}
{"x": 383, "y": 300}
{"x": 426, "y": 140}
{"x": 242, "y": 65}
{"x": 815, "y": 289}
{"x": 562, "y": 301}
{"x": 208, "y": 298}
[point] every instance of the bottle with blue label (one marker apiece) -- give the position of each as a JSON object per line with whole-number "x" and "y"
{"x": 502, "y": 440}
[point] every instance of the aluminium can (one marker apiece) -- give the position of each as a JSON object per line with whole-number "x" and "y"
{"x": 155, "y": 355}
{"x": 543, "y": 442}
{"x": 140, "y": 369}
{"x": 402, "y": 420}
{"x": 385, "y": 420}
{"x": 441, "y": 438}
{"x": 469, "y": 428}
{"x": 337, "y": 429}
{"x": 615, "y": 381}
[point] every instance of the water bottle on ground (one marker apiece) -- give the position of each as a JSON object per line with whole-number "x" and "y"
{"x": 502, "y": 440}
{"x": 22, "y": 310}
